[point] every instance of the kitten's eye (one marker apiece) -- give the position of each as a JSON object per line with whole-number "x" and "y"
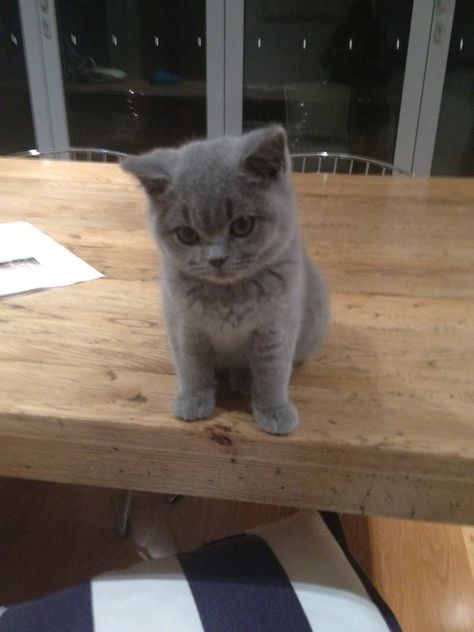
{"x": 242, "y": 226}
{"x": 187, "y": 235}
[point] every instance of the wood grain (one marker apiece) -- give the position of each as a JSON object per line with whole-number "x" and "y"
{"x": 424, "y": 572}
{"x": 386, "y": 405}
{"x": 468, "y": 535}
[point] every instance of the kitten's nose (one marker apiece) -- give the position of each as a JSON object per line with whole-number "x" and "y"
{"x": 217, "y": 262}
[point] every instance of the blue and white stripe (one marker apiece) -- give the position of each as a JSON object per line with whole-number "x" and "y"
{"x": 296, "y": 575}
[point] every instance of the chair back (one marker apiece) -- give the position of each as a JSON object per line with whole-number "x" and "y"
{"x": 86, "y": 154}
{"x": 331, "y": 162}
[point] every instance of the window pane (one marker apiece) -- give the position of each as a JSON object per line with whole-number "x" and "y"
{"x": 134, "y": 71}
{"x": 330, "y": 71}
{"x": 16, "y": 123}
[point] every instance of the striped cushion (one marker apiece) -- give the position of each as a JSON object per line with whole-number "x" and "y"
{"x": 294, "y": 575}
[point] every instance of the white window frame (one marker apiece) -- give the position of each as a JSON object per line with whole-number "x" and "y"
{"x": 43, "y": 68}
{"x": 215, "y": 67}
{"x": 433, "y": 85}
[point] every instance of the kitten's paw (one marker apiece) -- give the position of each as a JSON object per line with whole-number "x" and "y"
{"x": 195, "y": 405}
{"x": 241, "y": 381}
{"x": 281, "y": 420}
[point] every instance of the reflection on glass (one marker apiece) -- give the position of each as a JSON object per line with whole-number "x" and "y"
{"x": 330, "y": 71}
{"x": 454, "y": 148}
{"x": 16, "y": 123}
{"x": 134, "y": 71}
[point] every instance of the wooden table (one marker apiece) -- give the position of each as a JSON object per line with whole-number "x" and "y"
{"x": 386, "y": 405}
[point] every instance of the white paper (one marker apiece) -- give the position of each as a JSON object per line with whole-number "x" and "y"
{"x": 30, "y": 260}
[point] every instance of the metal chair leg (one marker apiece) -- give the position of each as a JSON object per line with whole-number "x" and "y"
{"x": 124, "y": 519}
{"x": 172, "y": 499}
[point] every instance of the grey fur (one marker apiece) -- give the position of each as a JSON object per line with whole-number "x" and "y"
{"x": 266, "y": 307}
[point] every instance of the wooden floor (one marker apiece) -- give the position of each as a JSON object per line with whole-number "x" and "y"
{"x": 52, "y": 536}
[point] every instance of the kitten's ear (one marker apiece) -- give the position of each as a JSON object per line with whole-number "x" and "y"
{"x": 154, "y": 169}
{"x": 265, "y": 153}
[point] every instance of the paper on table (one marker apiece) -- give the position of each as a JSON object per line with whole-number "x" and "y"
{"x": 30, "y": 260}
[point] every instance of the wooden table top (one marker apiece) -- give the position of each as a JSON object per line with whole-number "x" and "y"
{"x": 387, "y": 405}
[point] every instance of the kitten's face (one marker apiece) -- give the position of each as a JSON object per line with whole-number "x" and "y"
{"x": 220, "y": 209}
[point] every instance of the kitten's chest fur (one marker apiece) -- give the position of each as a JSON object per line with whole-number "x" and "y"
{"x": 229, "y": 313}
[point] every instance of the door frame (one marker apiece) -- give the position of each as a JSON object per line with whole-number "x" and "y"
{"x": 433, "y": 85}
{"x": 43, "y": 69}
{"x": 215, "y": 67}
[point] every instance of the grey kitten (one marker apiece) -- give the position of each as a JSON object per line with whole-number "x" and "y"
{"x": 239, "y": 291}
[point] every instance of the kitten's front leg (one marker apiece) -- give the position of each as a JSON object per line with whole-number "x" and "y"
{"x": 271, "y": 364}
{"x": 194, "y": 363}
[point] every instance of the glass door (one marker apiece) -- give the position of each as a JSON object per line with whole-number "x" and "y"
{"x": 331, "y": 72}
{"x": 134, "y": 71}
{"x": 358, "y": 76}
{"x": 127, "y": 75}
